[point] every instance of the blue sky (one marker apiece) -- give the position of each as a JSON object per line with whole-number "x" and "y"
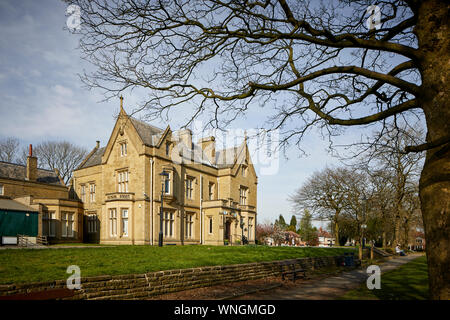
{"x": 42, "y": 98}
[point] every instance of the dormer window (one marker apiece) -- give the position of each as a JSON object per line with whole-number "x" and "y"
{"x": 123, "y": 149}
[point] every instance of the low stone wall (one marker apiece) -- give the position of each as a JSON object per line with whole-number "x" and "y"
{"x": 139, "y": 286}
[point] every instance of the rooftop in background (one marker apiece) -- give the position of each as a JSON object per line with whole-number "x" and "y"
{"x": 16, "y": 171}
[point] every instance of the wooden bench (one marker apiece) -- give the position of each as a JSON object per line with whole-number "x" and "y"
{"x": 289, "y": 267}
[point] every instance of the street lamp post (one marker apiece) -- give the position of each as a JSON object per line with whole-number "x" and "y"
{"x": 363, "y": 226}
{"x": 242, "y": 230}
{"x": 164, "y": 175}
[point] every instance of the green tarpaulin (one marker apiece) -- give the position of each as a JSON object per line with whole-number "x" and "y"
{"x": 13, "y": 223}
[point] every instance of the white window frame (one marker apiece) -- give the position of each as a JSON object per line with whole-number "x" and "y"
{"x": 122, "y": 181}
{"x": 92, "y": 188}
{"x": 243, "y": 195}
{"x": 2, "y": 190}
{"x": 189, "y": 188}
{"x": 189, "y": 225}
{"x": 250, "y": 227}
{"x": 169, "y": 224}
{"x": 113, "y": 222}
{"x": 67, "y": 224}
{"x": 125, "y": 225}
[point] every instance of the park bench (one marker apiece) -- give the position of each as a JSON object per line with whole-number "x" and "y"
{"x": 288, "y": 267}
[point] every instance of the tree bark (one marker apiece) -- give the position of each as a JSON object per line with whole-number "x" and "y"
{"x": 432, "y": 31}
{"x": 336, "y": 233}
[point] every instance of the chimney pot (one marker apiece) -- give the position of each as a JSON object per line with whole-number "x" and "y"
{"x": 30, "y": 150}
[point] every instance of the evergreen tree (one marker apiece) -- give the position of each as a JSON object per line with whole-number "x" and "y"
{"x": 307, "y": 232}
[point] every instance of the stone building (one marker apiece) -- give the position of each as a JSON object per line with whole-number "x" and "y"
{"x": 209, "y": 196}
{"x": 35, "y": 202}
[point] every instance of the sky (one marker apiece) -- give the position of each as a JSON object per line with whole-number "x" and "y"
{"x": 42, "y": 98}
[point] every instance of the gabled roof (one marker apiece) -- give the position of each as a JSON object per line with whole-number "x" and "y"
{"x": 95, "y": 158}
{"x": 149, "y": 134}
{"x": 19, "y": 172}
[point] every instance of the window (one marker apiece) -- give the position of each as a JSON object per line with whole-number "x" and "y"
{"x": 83, "y": 193}
{"x": 243, "y": 196}
{"x": 250, "y": 228}
{"x": 122, "y": 177}
{"x": 113, "y": 222}
{"x": 92, "y": 192}
{"x": 92, "y": 223}
{"x": 189, "y": 225}
{"x": 125, "y": 222}
{"x": 167, "y": 183}
{"x": 167, "y": 148}
{"x": 210, "y": 225}
{"x": 211, "y": 191}
{"x": 48, "y": 223}
{"x": 189, "y": 187}
{"x": 244, "y": 171}
{"x": 1, "y": 190}
{"x": 67, "y": 224}
{"x": 168, "y": 224}
{"x": 123, "y": 149}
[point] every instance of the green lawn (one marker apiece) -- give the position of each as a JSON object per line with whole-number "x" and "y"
{"x": 30, "y": 265}
{"x": 408, "y": 282}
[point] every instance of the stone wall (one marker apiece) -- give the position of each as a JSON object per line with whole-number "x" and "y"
{"x": 140, "y": 286}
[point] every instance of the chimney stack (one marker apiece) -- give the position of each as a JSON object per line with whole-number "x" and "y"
{"x": 186, "y": 137}
{"x": 31, "y": 166}
{"x": 98, "y": 144}
{"x": 209, "y": 148}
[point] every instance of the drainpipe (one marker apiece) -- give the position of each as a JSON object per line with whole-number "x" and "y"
{"x": 201, "y": 210}
{"x": 151, "y": 201}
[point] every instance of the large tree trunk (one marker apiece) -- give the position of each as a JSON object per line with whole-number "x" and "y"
{"x": 432, "y": 31}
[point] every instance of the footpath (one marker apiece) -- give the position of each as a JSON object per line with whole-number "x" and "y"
{"x": 328, "y": 288}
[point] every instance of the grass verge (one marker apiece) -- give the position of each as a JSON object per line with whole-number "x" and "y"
{"x": 31, "y": 265}
{"x": 408, "y": 282}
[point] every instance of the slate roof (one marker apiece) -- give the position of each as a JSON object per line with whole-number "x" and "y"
{"x": 19, "y": 172}
{"x": 8, "y": 204}
{"x": 94, "y": 159}
{"x": 149, "y": 134}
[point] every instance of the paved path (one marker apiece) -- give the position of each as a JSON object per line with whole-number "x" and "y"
{"x": 328, "y": 288}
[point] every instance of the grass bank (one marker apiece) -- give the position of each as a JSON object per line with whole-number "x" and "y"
{"x": 31, "y": 265}
{"x": 408, "y": 282}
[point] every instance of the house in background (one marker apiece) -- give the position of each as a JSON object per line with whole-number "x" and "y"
{"x": 208, "y": 196}
{"x": 35, "y": 202}
{"x": 325, "y": 238}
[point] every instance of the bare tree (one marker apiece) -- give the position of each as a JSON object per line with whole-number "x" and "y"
{"x": 330, "y": 64}
{"x": 401, "y": 169}
{"x": 324, "y": 193}
{"x": 61, "y": 155}
{"x": 9, "y": 149}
